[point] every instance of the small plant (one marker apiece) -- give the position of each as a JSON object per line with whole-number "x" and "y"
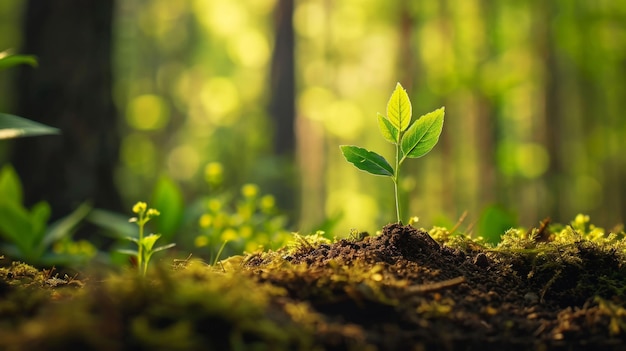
{"x": 411, "y": 140}
{"x": 26, "y": 235}
{"x": 145, "y": 244}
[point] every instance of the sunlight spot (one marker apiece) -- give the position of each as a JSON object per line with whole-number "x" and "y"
{"x": 221, "y": 17}
{"x": 219, "y": 98}
{"x": 344, "y": 119}
{"x": 358, "y": 209}
{"x": 348, "y": 22}
{"x": 314, "y": 72}
{"x": 147, "y": 112}
{"x": 138, "y": 153}
{"x": 309, "y": 19}
{"x": 261, "y": 7}
{"x": 249, "y": 49}
{"x": 532, "y": 160}
{"x": 312, "y": 99}
{"x": 183, "y": 162}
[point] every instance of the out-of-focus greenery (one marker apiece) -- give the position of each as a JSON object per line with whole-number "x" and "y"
{"x": 191, "y": 80}
{"x": 26, "y": 234}
{"x": 245, "y": 222}
{"x": 534, "y": 91}
{"x": 219, "y": 223}
{"x": 14, "y": 126}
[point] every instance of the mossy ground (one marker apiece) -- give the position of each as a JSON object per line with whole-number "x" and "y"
{"x": 400, "y": 290}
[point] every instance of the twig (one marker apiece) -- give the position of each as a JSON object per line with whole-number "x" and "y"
{"x": 430, "y": 287}
{"x": 459, "y": 222}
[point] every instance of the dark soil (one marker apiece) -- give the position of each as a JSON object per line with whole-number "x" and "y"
{"x": 400, "y": 290}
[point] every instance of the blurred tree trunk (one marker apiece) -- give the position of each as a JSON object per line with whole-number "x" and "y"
{"x": 282, "y": 106}
{"x": 70, "y": 90}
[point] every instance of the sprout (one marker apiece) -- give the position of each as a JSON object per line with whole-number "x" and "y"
{"x": 412, "y": 140}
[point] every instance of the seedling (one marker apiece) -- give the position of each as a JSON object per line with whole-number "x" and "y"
{"x": 145, "y": 244}
{"x": 412, "y": 140}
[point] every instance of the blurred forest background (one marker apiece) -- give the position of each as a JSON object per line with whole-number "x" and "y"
{"x": 264, "y": 92}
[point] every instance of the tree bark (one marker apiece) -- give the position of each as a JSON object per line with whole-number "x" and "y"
{"x": 282, "y": 105}
{"x": 70, "y": 90}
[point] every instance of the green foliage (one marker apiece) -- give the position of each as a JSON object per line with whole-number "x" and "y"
{"x": 169, "y": 198}
{"x": 145, "y": 243}
{"x": 27, "y": 235}
{"x": 166, "y": 195}
{"x": 14, "y": 126}
{"x": 8, "y": 60}
{"x": 411, "y": 140}
{"x": 493, "y": 222}
{"x": 248, "y": 222}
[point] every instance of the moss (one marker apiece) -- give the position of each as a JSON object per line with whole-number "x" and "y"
{"x": 189, "y": 309}
{"x": 543, "y": 288}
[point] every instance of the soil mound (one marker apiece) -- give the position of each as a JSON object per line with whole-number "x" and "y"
{"x": 402, "y": 290}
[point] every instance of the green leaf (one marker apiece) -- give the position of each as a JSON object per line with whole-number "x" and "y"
{"x": 8, "y": 60}
{"x": 168, "y": 198}
{"x": 15, "y": 226}
{"x": 130, "y": 238}
{"x": 388, "y": 130}
{"x": 14, "y": 126}
{"x": 10, "y": 185}
{"x": 399, "y": 109}
{"x": 423, "y": 135}
{"x": 367, "y": 161}
{"x": 116, "y": 225}
{"x": 39, "y": 215}
{"x": 164, "y": 247}
{"x": 128, "y": 252}
{"x": 148, "y": 241}
{"x": 66, "y": 225}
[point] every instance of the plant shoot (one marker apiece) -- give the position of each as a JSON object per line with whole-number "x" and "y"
{"x": 145, "y": 244}
{"x": 412, "y": 139}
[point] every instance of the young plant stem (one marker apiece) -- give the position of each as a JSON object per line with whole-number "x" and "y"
{"x": 140, "y": 261}
{"x": 395, "y": 181}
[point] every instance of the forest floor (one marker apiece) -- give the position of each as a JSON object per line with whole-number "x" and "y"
{"x": 399, "y": 290}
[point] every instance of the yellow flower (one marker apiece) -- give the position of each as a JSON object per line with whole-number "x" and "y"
{"x": 249, "y": 190}
{"x": 229, "y": 235}
{"x": 267, "y": 203}
{"x": 140, "y": 207}
{"x": 201, "y": 241}
{"x": 581, "y": 219}
{"x": 214, "y": 173}
{"x": 214, "y": 205}
{"x": 152, "y": 213}
{"x": 246, "y": 231}
{"x": 205, "y": 220}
